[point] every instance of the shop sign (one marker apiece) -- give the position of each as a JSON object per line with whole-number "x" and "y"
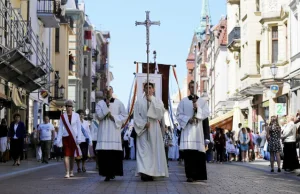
{"x": 280, "y": 109}
{"x": 44, "y": 93}
{"x": 274, "y": 89}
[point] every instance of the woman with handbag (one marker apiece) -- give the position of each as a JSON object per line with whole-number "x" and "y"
{"x": 3, "y": 139}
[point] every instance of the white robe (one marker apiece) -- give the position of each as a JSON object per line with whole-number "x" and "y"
{"x": 150, "y": 155}
{"x": 109, "y": 133}
{"x": 192, "y": 135}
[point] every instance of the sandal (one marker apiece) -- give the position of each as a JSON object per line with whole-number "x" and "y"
{"x": 79, "y": 170}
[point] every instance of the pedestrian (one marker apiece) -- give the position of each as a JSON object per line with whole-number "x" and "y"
{"x": 290, "y": 161}
{"x": 57, "y": 146}
{"x": 125, "y": 143}
{"x": 244, "y": 143}
{"x": 112, "y": 115}
{"x": 192, "y": 115}
{"x": 230, "y": 147}
{"x": 273, "y": 138}
{"x": 149, "y": 126}
{"x": 84, "y": 140}
{"x": 94, "y": 132}
{"x": 46, "y": 137}
{"x": 220, "y": 143}
{"x": 3, "y": 139}
{"x": 17, "y": 135}
{"x": 36, "y": 144}
{"x": 69, "y": 128}
{"x": 168, "y": 141}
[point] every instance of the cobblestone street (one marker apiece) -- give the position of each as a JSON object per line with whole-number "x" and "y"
{"x": 226, "y": 178}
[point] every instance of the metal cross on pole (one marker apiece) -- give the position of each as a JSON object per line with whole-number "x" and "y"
{"x": 147, "y": 23}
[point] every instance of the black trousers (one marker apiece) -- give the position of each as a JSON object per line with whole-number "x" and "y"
{"x": 126, "y": 148}
{"x": 195, "y": 164}
{"x": 220, "y": 153}
{"x": 167, "y": 151}
{"x": 16, "y": 148}
{"x": 110, "y": 163}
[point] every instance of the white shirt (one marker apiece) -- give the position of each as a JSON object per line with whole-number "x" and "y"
{"x": 289, "y": 132}
{"x": 15, "y": 128}
{"x": 45, "y": 130}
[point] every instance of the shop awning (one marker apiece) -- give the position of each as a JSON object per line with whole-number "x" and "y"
{"x": 17, "y": 69}
{"x": 16, "y": 98}
{"x": 223, "y": 121}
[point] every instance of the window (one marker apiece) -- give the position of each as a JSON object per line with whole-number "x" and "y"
{"x": 274, "y": 44}
{"x": 257, "y": 2}
{"x": 85, "y": 70}
{"x": 258, "y": 56}
{"x": 56, "y": 39}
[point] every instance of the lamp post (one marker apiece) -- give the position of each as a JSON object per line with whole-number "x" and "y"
{"x": 274, "y": 70}
{"x": 61, "y": 91}
{"x": 291, "y": 81}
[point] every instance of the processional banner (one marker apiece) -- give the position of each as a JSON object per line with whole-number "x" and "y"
{"x": 156, "y": 79}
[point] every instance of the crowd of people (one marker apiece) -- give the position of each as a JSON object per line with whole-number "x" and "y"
{"x": 111, "y": 137}
{"x": 278, "y": 141}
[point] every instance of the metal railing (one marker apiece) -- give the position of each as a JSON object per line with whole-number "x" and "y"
{"x": 48, "y": 6}
{"x": 235, "y": 34}
{"x": 17, "y": 33}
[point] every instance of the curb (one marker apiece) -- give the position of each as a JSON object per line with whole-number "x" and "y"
{"x": 291, "y": 176}
{"x": 25, "y": 171}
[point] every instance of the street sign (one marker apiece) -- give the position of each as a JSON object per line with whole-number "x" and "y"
{"x": 274, "y": 89}
{"x": 280, "y": 109}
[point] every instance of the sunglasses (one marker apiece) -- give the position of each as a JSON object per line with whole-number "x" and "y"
{"x": 68, "y": 106}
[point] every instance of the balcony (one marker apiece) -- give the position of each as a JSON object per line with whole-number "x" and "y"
{"x": 49, "y": 11}
{"x": 234, "y": 39}
{"x": 233, "y": 1}
{"x": 67, "y": 20}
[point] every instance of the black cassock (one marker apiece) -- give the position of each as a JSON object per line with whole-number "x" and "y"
{"x": 195, "y": 161}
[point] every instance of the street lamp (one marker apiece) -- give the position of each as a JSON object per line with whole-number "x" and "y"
{"x": 274, "y": 70}
{"x": 61, "y": 91}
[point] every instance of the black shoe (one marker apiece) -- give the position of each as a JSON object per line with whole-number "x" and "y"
{"x": 107, "y": 179}
{"x": 46, "y": 162}
{"x": 279, "y": 170}
{"x": 190, "y": 180}
{"x": 78, "y": 170}
{"x": 112, "y": 177}
{"x": 298, "y": 175}
{"x": 272, "y": 170}
{"x": 144, "y": 178}
{"x": 150, "y": 178}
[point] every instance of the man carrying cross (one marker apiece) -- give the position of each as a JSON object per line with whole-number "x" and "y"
{"x": 150, "y": 154}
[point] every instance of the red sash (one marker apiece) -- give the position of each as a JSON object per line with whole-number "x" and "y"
{"x": 70, "y": 133}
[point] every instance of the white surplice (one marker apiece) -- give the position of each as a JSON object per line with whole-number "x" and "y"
{"x": 150, "y": 154}
{"x": 109, "y": 133}
{"x": 192, "y": 136}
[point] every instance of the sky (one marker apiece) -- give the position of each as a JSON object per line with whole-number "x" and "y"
{"x": 171, "y": 40}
